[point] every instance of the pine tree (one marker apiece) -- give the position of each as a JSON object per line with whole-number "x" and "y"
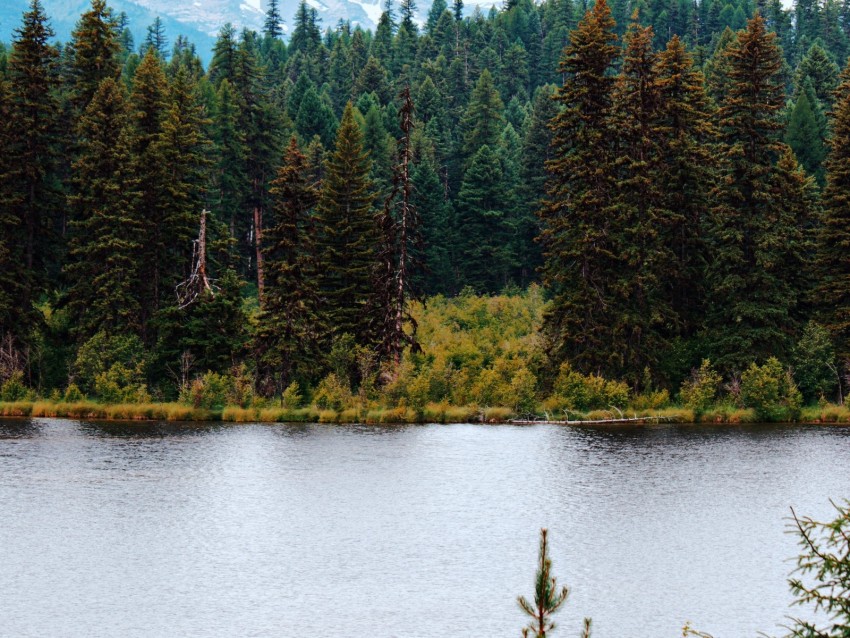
{"x": 687, "y": 141}
{"x": 348, "y": 232}
{"x": 107, "y": 231}
{"x": 17, "y": 316}
{"x": 230, "y": 176}
{"x": 408, "y": 12}
{"x": 749, "y": 312}
{"x": 638, "y": 215}
{"x": 306, "y": 37}
{"x": 272, "y": 27}
{"x": 183, "y": 147}
{"x": 833, "y": 257}
{"x": 32, "y": 144}
{"x": 315, "y": 118}
{"x": 580, "y": 258}
{"x": 289, "y": 325}
{"x": 457, "y": 10}
{"x": 820, "y": 70}
{"x": 149, "y": 104}
{"x": 223, "y": 65}
{"x": 436, "y": 213}
{"x": 156, "y": 39}
{"x": 485, "y": 258}
{"x": 483, "y": 119}
{"x": 95, "y": 49}
{"x": 434, "y": 15}
{"x": 806, "y": 131}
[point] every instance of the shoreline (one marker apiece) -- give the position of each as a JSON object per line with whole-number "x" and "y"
{"x": 433, "y": 413}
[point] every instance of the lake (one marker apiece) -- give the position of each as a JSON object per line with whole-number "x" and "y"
{"x": 415, "y": 531}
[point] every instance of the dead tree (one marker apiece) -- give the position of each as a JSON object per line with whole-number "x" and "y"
{"x": 401, "y": 242}
{"x": 198, "y": 282}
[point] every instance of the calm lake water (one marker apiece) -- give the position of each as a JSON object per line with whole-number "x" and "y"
{"x": 420, "y": 531}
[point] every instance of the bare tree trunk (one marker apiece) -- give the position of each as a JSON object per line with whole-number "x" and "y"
{"x": 258, "y": 246}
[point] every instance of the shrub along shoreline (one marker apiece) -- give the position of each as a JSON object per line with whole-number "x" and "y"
{"x": 432, "y": 413}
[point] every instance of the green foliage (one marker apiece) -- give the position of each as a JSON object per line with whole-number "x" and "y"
{"x": 73, "y": 394}
{"x": 832, "y": 290}
{"x": 120, "y": 384}
{"x": 103, "y": 351}
{"x": 674, "y": 226}
{"x": 814, "y": 363}
{"x": 292, "y": 397}
{"x": 13, "y": 388}
{"x": 210, "y": 391}
{"x": 755, "y": 231}
{"x": 822, "y": 577}
{"x": 575, "y": 391}
{"x": 347, "y": 232}
{"x": 770, "y": 390}
{"x": 700, "y": 390}
{"x": 548, "y": 598}
{"x": 523, "y": 389}
{"x": 332, "y": 393}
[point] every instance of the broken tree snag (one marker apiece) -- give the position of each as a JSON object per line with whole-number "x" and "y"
{"x": 198, "y": 282}
{"x": 401, "y": 243}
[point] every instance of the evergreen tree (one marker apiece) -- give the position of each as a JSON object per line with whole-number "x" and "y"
{"x": 95, "y": 49}
{"x": 438, "y": 7}
{"x": 580, "y": 258}
{"x": 32, "y": 145}
{"x": 483, "y": 119}
{"x": 289, "y": 325}
{"x": 306, "y": 37}
{"x": 156, "y": 39}
{"x": 435, "y": 211}
{"x": 833, "y": 258}
{"x": 223, "y": 65}
{"x": 272, "y": 26}
{"x": 16, "y": 314}
{"x": 638, "y": 215}
{"x": 485, "y": 253}
{"x": 806, "y": 132}
{"x": 107, "y": 231}
{"x": 230, "y": 176}
{"x": 314, "y": 117}
{"x": 687, "y": 139}
{"x": 820, "y": 70}
{"x": 408, "y": 12}
{"x": 347, "y": 232}
{"x": 750, "y": 310}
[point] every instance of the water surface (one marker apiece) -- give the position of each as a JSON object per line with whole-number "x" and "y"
{"x": 417, "y": 531}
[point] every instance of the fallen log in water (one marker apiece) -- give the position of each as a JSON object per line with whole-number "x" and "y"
{"x": 637, "y": 419}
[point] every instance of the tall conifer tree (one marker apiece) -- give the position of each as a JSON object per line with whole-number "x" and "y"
{"x": 580, "y": 257}
{"x": 833, "y": 244}
{"x": 348, "y": 232}
{"x": 750, "y": 310}
{"x": 289, "y": 325}
{"x": 95, "y": 49}
{"x": 34, "y": 114}
{"x": 107, "y": 229}
{"x": 687, "y": 139}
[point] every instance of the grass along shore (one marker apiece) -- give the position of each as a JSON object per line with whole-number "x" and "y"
{"x": 432, "y": 413}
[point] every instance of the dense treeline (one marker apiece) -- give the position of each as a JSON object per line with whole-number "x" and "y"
{"x": 674, "y": 171}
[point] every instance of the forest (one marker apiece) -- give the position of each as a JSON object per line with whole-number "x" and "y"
{"x": 550, "y": 207}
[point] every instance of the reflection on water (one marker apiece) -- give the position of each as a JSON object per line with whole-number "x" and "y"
{"x": 426, "y": 531}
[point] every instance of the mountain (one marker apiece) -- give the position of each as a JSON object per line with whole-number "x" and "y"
{"x": 64, "y": 14}
{"x": 201, "y": 20}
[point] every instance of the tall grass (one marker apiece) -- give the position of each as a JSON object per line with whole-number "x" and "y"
{"x": 430, "y": 413}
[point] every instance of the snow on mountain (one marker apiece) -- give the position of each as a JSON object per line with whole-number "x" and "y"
{"x": 201, "y": 20}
